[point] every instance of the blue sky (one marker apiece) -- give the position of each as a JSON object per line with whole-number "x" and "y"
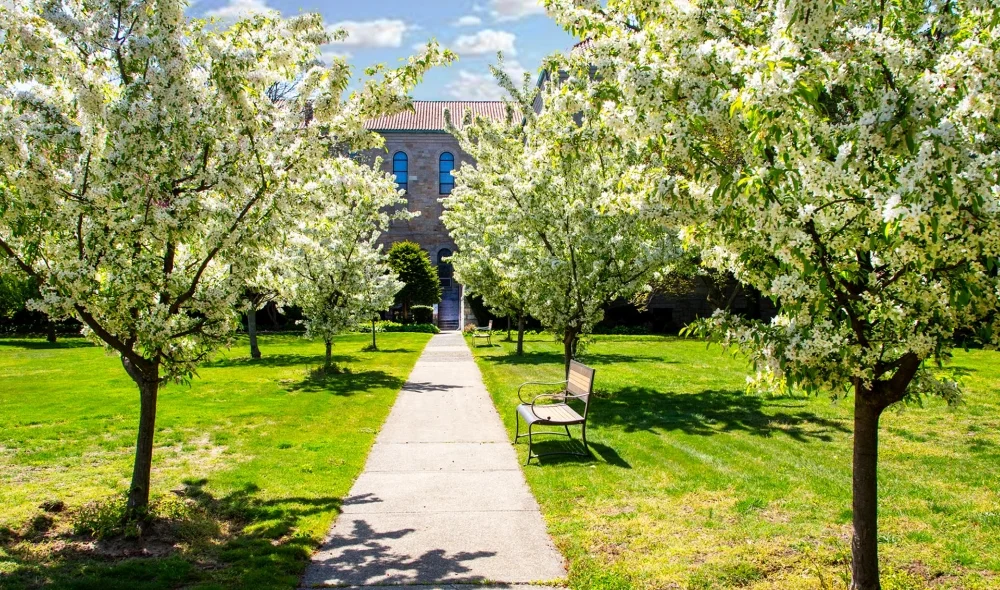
{"x": 384, "y": 31}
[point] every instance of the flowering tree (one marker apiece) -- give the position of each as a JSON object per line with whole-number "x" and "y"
{"x": 546, "y": 201}
{"x": 337, "y": 271}
{"x": 841, "y": 158}
{"x": 142, "y": 164}
{"x": 265, "y": 285}
{"x": 480, "y": 270}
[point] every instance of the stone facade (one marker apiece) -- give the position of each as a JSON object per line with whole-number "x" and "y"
{"x": 423, "y": 151}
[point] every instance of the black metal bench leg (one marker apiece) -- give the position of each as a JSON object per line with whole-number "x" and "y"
{"x": 517, "y": 426}
{"x": 566, "y": 426}
{"x": 528, "y": 460}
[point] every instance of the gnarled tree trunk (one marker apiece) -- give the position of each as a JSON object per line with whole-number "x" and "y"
{"x": 50, "y": 331}
{"x": 864, "y": 543}
{"x": 148, "y": 380}
{"x": 570, "y": 339}
{"x": 252, "y": 332}
{"x": 520, "y": 333}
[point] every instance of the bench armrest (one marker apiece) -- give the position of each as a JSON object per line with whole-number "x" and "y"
{"x": 523, "y": 385}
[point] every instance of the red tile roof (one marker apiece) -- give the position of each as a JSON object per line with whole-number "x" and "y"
{"x": 429, "y": 115}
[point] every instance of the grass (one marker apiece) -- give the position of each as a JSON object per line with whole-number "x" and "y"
{"x": 696, "y": 484}
{"x": 252, "y": 460}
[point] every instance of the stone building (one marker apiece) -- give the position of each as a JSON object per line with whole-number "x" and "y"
{"x": 421, "y": 153}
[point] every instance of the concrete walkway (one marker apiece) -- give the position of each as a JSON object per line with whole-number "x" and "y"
{"x": 442, "y": 499}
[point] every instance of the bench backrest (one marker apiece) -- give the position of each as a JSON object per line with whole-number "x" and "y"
{"x": 489, "y": 326}
{"x": 581, "y": 383}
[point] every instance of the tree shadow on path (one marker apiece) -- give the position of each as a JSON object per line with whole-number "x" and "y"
{"x": 366, "y": 557}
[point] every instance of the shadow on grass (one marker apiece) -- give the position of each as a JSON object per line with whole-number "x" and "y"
{"x": 365, "y": 556}
{"x": 319, "y": 381}
{"x": 556, "y": 358}
{"x": 238, "y": 540}
{"x": 710, "y": 412}
{"x": 279, "y": 360}
{"x": 61, "y": 344}
{"x": 596, "y": 451}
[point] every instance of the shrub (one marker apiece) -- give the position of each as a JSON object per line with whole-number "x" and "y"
{"x": 469, "y": 328}
{"x": 422, "y": 328}
{"x": 422, "y": 314}
{"x": 173, "y": 518}
{"x": 624, "y": 330}
{"x": 104, "y": 519}
{"x": 421, "y": 283}
{"x": 385, "y": 326}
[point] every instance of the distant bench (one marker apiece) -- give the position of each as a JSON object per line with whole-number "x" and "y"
{"x": 486, "y": 333}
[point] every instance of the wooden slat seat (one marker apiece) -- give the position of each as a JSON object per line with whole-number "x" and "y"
{"x": 486, "y": 333}
{"x": 555, "y": 409}
{"x": 550, "y": 415}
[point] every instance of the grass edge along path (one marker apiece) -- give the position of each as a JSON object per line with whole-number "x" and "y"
{"x": 252, "y": 460}
{"x": 697, "y": 484}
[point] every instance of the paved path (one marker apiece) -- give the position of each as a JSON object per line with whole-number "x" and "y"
{"x": 442, "y": 499}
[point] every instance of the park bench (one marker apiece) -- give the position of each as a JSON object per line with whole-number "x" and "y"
{"x": 486, "y": 333}
{"x": 555, "y": 409}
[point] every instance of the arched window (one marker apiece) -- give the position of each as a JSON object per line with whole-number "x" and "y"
{"x": 400, "y": 167}
{"x": 446, "y": 165}
{"x": 445, "y": 269}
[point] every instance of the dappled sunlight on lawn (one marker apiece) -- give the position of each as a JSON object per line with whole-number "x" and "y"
{"x": 692, "y": 482}
{"x": 251, "y": 463}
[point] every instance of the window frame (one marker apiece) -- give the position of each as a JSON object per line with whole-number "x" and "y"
{"x": 405, "y": 160}
{"x": 442, "y": 172}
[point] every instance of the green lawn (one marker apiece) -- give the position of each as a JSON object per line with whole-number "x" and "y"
{"x": 696, "y": 484}
{"x": 262, "y": 452}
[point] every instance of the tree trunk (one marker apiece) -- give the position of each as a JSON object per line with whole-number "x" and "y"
{"x": 138, "y": 494}
{"x": 569, "y": 347}
{"x": 508, "y": 327}
{"x": 520, "y": 333}
{"x": 329, "y": 352}
{"x": 272, "y": 314}
{"x": 864, "y": 544}
{"x": 50, "y": 331}
{"x": 252, "y": 333}
{"x": 374, "y": 346}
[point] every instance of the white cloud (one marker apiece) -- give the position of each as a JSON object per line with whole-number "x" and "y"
{"x": 503, "y": 10}
{"x": 485, "y": 42}
{"x": 476, "y": 86}
{"x": 374, "y": 33}
{"x": 472, "y": 86}
{"x": 469, "y": 20}
{"x": 327, "y": 56}
{"x": 515, "y": 70}
{"x": 236, "y": 9}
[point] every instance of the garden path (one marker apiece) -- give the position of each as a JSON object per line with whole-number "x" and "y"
{"x": 442, "y": 499}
